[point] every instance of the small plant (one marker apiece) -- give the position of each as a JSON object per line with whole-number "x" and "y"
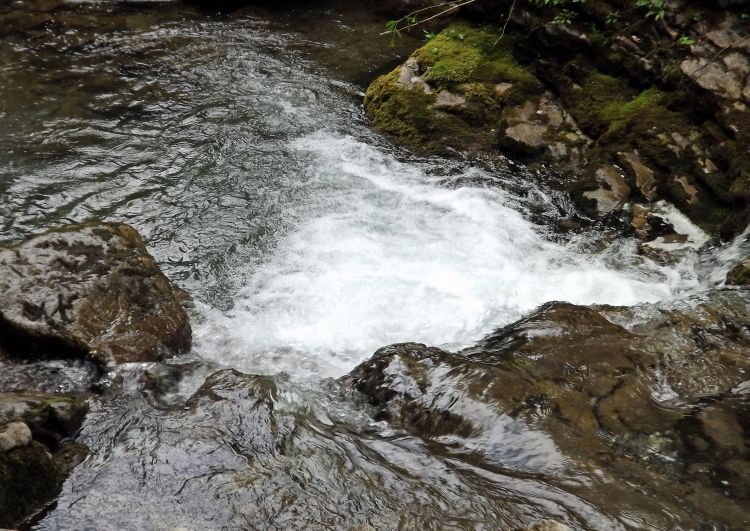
{"x": 613, "y": 18}
{"x": 453, "y": 34}
{"x": 393, "y": 28}
{"x": 564, "y": 17}
{"x": 429, "y": 35}
{"x": 685, "y": 41}
{"x": 654, "y": 8}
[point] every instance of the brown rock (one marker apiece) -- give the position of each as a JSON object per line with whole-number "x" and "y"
{"x": 612, "y": 193}
{"x": 740, "y": 274}
{"x": 89, "y": 290}
{"x": 645, "y": 179}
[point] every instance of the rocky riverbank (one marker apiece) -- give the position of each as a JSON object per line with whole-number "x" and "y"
{"x": 618, "y": 109}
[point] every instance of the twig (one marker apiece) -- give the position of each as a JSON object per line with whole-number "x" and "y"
{"x": 436, "y": 15}
{"x": 510, "y": 14}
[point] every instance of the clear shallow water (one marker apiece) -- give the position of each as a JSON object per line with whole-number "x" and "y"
{"x": 308, "y": 242}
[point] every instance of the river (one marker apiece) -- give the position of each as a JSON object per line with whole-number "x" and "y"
{"x": 238, "y": 147}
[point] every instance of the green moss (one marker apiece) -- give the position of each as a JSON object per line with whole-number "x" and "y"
{"x": 463, "y": 53}
{"x": 619, "y": 115}
{"x": 586, "y": 101}
{"x": 451, "y": 59}
{"x": 29, "y": 478}
{"x": 407, "y": 114}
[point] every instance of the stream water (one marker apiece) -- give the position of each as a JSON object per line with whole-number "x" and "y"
{"x": 238, "y": 147}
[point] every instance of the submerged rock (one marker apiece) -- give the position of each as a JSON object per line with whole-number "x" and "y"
{"x": 248, "y": 451}
{"x": 545, "y": 525}
{"x": 649, "y": 394}
{"x": 740, "y": 274}
{"x": 89, "y": 290}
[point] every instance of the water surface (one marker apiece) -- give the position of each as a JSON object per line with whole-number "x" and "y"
{"x": 238, "y": 147}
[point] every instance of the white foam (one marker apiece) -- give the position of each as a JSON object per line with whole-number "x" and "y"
{"x": 389, "y": 256}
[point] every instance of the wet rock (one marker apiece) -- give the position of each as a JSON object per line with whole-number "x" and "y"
{"x": 14, "y": 435}
{"x": 740, "y": 274}
{"x": 245, "y": 449}
{"x": 526, "y": 138}
{"x": 645, "y": 178}
{"x": 645, "y": 393}
{"x": 89, "y": 290}
{"x": 613, "y": 191}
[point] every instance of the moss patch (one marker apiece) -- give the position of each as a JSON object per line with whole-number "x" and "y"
{"x": 466, "y": 60}
{"x": 463, "y": 53}
{"x": 619, "y": 115}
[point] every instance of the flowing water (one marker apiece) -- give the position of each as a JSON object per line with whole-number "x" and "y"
{"x": 238, "y": 147}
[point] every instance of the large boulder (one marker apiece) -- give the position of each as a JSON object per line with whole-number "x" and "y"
{"x": 655, "y": 396}
{"x": 89, "y": 290}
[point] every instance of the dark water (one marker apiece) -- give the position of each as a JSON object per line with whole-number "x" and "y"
{"x": 236, "y": 144}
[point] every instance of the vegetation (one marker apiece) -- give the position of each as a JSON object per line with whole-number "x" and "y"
{"x": 560, "y": 13}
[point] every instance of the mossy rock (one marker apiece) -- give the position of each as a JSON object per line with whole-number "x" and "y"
{"x": 463, "y": 59}
{"x": 29, "y": 478}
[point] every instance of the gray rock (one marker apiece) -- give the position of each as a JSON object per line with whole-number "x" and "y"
{"x": 14, "y": 435}
{"x": 740, "y": 274}
{"x": 447, "y": 101}
{"x": 714, "y": 77}
{"x": 525, "y": 135}
{"x": 89, "y": 290}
